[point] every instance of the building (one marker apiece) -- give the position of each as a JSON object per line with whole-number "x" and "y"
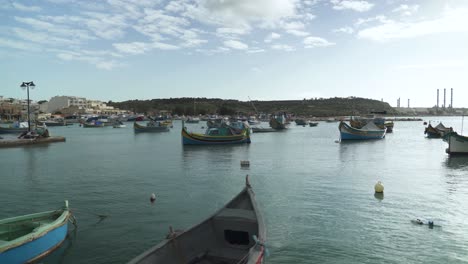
{"x": 57, "y": 103}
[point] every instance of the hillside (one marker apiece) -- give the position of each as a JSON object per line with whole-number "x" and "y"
{"x": 312, "y": 107}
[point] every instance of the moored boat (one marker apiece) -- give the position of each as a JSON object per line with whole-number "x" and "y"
{"x": 30, "y": 237}
{"x": 234, "y": 234}
{"x": 152, "y": 126}
{"x": 313, "y": 124}
{"x": 278, "y": 122}
{"x": 457, "y": 144}
{"x": 216, "y": 136}
{"x": 93, "y": 124}
{"x": 369, "y": 131}
{"x": 431, "y": 132}
{"x": 15, "y": 128}
{"x": 119, "y": 124}
{"x": 300, "y": 122}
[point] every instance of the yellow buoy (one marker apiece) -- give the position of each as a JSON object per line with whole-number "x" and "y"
{"x": 379, "y": 187}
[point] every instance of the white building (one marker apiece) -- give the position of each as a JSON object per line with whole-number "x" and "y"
{"x": 58, "y": 102}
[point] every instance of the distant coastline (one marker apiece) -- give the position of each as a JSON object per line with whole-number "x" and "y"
{"x": 319, "y": 107}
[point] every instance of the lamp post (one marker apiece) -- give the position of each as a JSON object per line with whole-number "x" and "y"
{"x": 26, "y": 85}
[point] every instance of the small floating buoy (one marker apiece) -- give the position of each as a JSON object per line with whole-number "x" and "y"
{"x": 337, "y": 141}
{"x": 379, "y": 188}
{"x": 425, "y": 123}
{"x": 153, "y": 198}
{"x": 245, "y": 163}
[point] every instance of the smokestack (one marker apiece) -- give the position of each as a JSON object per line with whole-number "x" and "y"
{"x": 437, "y": 98}
{"x": 444, "y": 97}
{"x": 451, "y": 97}
{"x": 408, "y": 103}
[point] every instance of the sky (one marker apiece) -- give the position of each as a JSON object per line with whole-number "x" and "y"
{"x": 236, "y": 49}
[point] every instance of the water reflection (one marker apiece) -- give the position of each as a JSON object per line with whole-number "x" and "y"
{"x": 59, "y": 255}
{"x": 457, "y": 162}
{"x": 379, "y": 196}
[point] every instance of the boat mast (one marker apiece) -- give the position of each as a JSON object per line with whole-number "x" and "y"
{"x": 256, "y": 112}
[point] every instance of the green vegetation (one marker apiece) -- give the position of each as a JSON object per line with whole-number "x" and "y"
{"x": 307, "y": 107}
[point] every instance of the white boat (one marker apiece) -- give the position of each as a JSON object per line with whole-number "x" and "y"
{"x": 119, "y": 124}
{"x": 458, "y": 144}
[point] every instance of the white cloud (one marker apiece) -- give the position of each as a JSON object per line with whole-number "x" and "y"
{"x": 132, "y": 47}
{"x": 272, "y": 36}
{"x": 451, "y": 21}
{"x": 14, "y": 44}
{"x": 282, "y": 47}
{"x": 365, "y": 21}
{"x": 356, "y": 5}
{"x": 255, "y": 50}
{"x": 296, "y": 32}
{"x": 406, "y": 10}
{"x": 234, "y": 44}
{"x": 98, "y": 62}
{"x": 346, "y": 30}
{"x": 25, "y": 8}
{"x": 240, "y": 12}
{"x": 313, "y": 42}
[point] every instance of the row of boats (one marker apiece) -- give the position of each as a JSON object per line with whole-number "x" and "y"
{"x": 457, "y": 144}
{"x": 236, "y": 233}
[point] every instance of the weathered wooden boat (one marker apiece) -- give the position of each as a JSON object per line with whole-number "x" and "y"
{"x": 313, "y": 124}
{"x": 442, "y": 129}
{"x": 380, "y": 122}
{"x": 278, "y": 122}
{"x": 216, "y": 136}
{"x": 234, "y": 234}
{"x": 369, "y": 131}
{"x": 119, "y": 124}
{"x": 25, "y": 239}
{"x": 457, "y": 144}
{"x": 151, "y": 126}
{"x": 431, "y": 132}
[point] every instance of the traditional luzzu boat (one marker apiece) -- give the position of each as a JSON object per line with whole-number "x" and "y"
{"x": 234, "y": 234}
{"x": 93, "y": 124}
{"x": 300, "y": 122}
{"x": 25, "y": 239}
{"x": 216, "y": 136}
{"x": 152, "y": 126}
{"x": 16, "y": 128}
{"x": 369, "y": 131}
{"x": 438, "y": 131}
{"x": 457, "y": 144}
{"x": 431, "y": 132}
{"x": 313, "y": 124}
{"x": 278, "y": 122}
{"x": 380, "y": 122}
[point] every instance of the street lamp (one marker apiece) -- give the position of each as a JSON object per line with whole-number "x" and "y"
{"x": 26, "y": 85}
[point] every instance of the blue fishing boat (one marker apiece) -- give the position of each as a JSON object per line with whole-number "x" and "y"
{"x": 216, "y": 136}
{"x": 369, "y": 131}
{"x": 30, "y": 237}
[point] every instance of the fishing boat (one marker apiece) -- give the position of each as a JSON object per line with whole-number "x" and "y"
{"x": 15, "y": 128}
{"x": 431, "y": 132}
{"x": 234, "y": 234}
{"x": 216, "y": 136}
{"x": 25, "y": 239}
{"x": 278, "y": 122}
{"x": 369, "y": 131}
{"x": 457, "y": 144}
{"x": 119, "y": 124}
{"x": 438, "y": 131}
{"x": 53, "y": 122}
{"x": 300, "y": 122}
{"x": 152, "y": 126}
{"x": 93, "y": 124}
{"x": 380, "y": 122}
{"x": 263, "y": 130}
{"x": 193, "y": 120}
{"x": 313, "y": 124}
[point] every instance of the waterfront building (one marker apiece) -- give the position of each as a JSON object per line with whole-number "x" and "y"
{"x": 56, "y": 103}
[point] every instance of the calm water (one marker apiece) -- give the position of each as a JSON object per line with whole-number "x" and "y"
{"x": 316, "y": 195}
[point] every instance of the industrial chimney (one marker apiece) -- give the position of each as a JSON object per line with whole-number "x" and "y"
{"x": 437, "y": 98}
{"x": 444, "y": 98}
{"x": 408, "y": 102}
{"x": 451, "y": 98}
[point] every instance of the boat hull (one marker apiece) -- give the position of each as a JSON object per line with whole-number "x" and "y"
{"x": 349, "y": 133}
{"x": 9, "y": 130}
{"x": 458, "y": 145}
{"x": 141, "y": 129}
{"x": 36, "y": 248}
{"x": 198, "y": 139}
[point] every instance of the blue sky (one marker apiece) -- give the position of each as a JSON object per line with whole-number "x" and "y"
{"x": 262, "y": 49}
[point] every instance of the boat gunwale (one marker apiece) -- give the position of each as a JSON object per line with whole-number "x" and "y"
{"x": 37, "y": 232}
